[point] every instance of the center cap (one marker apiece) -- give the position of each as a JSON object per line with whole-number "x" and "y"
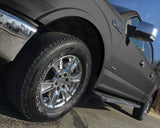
{"x": 62, "y": 80}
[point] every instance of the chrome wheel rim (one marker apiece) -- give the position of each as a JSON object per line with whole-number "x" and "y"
{"x": 61, "y": 81}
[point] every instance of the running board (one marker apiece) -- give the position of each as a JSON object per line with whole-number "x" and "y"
{"x": 111, "y": 99}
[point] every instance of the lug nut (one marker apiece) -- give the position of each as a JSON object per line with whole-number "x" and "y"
{"x": 67, "y": 79}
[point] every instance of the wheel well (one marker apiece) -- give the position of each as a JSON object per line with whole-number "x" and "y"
{"x": 87, "y": 32}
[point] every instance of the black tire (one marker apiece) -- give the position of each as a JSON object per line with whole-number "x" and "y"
{"x": 29, "y": 67}
{"x": 141, "y": 113}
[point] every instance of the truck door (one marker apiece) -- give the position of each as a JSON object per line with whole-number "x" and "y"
{"x": 131, "y": 66}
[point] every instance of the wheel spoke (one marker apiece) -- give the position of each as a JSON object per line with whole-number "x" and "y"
{"x": 63, "y": 95}
{"x": 61, "y": 64}
{"x": 74, "y": 65}
{"x": 76, "y": 78}
{"x": 69, "y": 66}
{"x": 43, "y": 91}
{"x": 68, "y": 90}
{"x": 73, "y": 88}
{"x": 55, "y": 68}
{"x": 47, "y": 86}
{"x": 54, "y": 98}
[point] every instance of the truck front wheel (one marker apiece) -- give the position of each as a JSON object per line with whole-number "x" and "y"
{"x": 49, "y": 76}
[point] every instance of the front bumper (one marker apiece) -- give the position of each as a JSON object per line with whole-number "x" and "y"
{"x": 14, "y": 33}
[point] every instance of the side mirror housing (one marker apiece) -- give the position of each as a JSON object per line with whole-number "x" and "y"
{"x": 144, "y": 31}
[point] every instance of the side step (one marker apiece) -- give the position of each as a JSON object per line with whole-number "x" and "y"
{"x": 111, "y": 99}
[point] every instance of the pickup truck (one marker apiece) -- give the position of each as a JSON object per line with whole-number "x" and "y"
{"x": 60, "y": 52}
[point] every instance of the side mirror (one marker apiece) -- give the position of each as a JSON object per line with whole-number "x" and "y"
{"x": 144, "y": 31}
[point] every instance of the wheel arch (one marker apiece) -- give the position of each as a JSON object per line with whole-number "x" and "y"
{"x": 85, "y": 20}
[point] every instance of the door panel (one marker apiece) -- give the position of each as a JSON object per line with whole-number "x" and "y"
{"x": 126, "y": 59}
{"x": 148, "y": 70}
{"x": 129, "y": 58}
